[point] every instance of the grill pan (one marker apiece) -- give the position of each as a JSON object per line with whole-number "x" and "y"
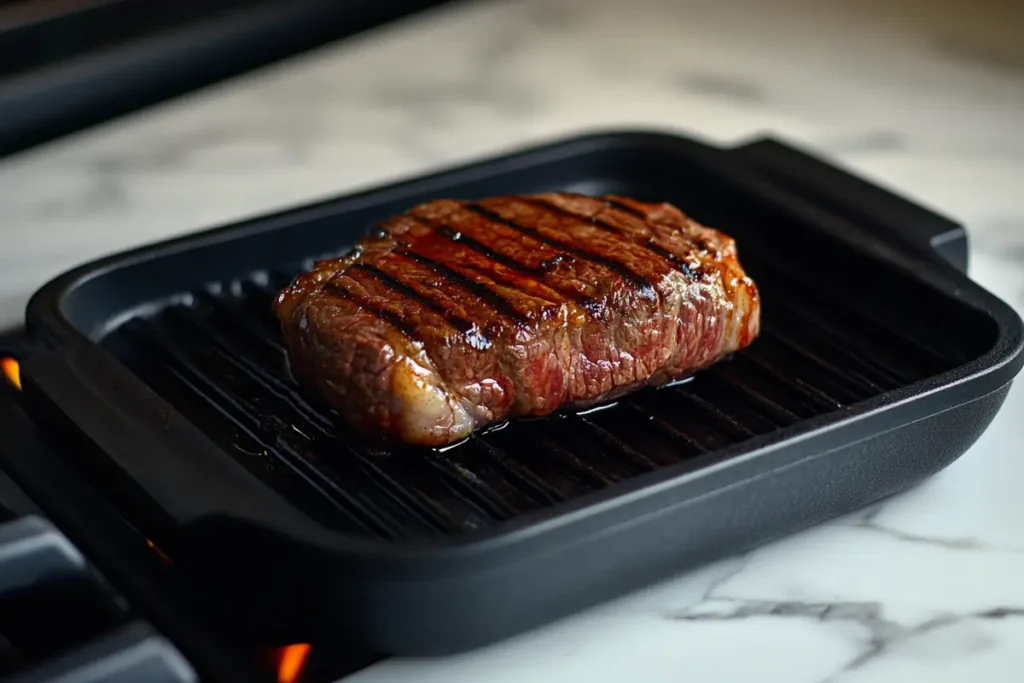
{"x": 880, "y": 362}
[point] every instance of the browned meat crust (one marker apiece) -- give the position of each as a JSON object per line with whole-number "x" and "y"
{"x": 460, "y": 314}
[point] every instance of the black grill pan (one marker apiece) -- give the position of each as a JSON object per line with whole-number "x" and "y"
{"x": 880, "y": 362}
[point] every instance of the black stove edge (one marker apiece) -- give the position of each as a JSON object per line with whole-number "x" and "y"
{"x": 44, "y": 577}
{"x": 134, "y": 653}
{"x": 116, "y": 550}
{"x": 14, "y": 502}
{"x": 63, "y": 98}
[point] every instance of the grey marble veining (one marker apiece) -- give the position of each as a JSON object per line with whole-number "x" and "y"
{"x": 924, "y": 96}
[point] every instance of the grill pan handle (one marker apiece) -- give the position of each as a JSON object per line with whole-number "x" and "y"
{"x": 891, "y": 217}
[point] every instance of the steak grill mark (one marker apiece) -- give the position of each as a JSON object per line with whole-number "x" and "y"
{"x": 641, "y": 215}
{"x": 470, "y": 329}
{"x": 390, "y": 317}
{"x": 496, "y": 300}
{"x": 624, "y": 207}
{"x": 676, "y": 262}
{"x": 521, "y": 268}
{"x": 642, "y": 284}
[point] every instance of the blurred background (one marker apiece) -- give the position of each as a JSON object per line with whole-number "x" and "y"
{"x": 66, "y": 64}
{"x": 126, "y": 121}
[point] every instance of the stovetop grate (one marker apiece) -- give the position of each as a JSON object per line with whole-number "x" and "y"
{"x": 217, "y": 357}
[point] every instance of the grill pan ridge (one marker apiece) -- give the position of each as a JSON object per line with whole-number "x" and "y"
{"x": 875, "y": 352}
{"x": 218, "y": 357}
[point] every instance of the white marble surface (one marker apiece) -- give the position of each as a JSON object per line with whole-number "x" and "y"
{"x": 927, "y": 97}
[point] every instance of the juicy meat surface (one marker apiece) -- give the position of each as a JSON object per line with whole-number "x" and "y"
{"x": 459, "y": 314}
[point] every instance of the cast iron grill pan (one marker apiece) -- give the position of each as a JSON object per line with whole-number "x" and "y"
{"x": 217, "y": 356}
{"x": 878, "y": 364}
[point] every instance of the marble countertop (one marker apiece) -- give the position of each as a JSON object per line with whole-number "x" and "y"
{"x": 919, "y": 96}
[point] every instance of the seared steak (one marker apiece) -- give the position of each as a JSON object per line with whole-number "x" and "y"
{"x": 460, "y": 314}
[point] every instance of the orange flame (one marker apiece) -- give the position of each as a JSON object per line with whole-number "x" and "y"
{"x": 12, "y": 371}
{"x": 291, "y": 660}
{"x": 159, "y": 553}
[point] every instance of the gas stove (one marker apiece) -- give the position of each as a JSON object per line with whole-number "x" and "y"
{"x": 85, "y": 598}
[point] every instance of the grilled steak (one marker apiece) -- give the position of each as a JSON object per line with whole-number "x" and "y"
{"x": 459, "y": 314}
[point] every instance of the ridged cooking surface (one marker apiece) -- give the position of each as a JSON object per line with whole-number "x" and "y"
{"x": 218, "y": 359}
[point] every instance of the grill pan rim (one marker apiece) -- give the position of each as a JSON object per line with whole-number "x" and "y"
{"x": 48, "y": 321}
